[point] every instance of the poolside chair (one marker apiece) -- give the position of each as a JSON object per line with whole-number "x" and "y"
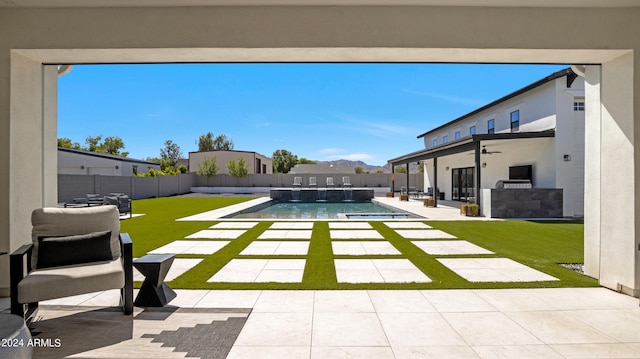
{"x": 346, "y": 181}
{"x": 297, "y": 181}
{"x": 73, "y": 251}
{"x": 330, "y": 182}
{"x": 312, "y": 182}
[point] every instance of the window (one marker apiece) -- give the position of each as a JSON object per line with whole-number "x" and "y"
{"x": 444, "y": 139}
{"x": 457, "y": 135}
{"x": 435, "y": 142}
{"x": 515, "y": 121}
{"x": 472, "y": 130}
{"x": 491, "y": 126}
{"x": 578, "y": 106}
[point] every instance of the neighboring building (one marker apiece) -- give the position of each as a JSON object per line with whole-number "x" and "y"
{"x": 537, "y": 131}
{"x": 77, "y": 162}
{"x": 256, "y": 163}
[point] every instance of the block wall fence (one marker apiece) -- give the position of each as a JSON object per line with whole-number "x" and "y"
{"x": 74, "y": 186}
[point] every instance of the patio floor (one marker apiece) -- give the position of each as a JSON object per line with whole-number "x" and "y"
{"x": 503, "y": 323}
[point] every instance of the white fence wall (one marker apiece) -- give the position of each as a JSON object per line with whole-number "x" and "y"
{"x": 74, "y": 186}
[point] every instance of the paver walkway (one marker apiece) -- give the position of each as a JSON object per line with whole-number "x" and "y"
{"x": 349, "y": 238}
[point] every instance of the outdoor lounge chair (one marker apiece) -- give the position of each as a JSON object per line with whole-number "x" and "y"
{"x": 346, "y": 181}
{"x": 297, "y": 181}
{"x": 312, "y": 182}
{"x": 73, "y": 251}
{"x": 120, "y": 200}
{"x": 330, "y": 182}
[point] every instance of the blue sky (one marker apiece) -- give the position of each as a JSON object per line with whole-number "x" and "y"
{"x": 368, "y": 112}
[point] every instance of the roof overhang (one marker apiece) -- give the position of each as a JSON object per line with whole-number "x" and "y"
{"x": 464, "y": 145}
{"x": 164, "y": 3}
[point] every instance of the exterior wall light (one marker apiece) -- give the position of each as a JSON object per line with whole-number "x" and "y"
{"x": 484, "y": 164}
{"x": 567, "y": 158}
{"x": 81, "y": 167}
{"x": 446, "y": 168}
{"x": 117, "y": 167}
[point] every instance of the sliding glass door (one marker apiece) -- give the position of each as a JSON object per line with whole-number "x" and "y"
{"x": 462, "y": 184}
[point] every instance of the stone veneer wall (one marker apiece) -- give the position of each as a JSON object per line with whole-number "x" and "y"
{"x": 526, "y": 203}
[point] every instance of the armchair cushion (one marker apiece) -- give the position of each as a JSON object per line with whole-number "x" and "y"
{"x": 58, "y": 282}
{"x": 59, "y": 222}
{"x": 63, "y": 251}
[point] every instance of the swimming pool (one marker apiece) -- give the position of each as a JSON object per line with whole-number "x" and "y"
{"x": 321, "y": 210}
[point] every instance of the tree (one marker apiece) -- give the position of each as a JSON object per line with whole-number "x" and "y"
{"x": 170, "y": 154}
{"x": 304, "y": 161}
{"x": 238, "y": 169}
{"x": 209, "y": 142}
{"x": 283, "y": 161}
{"x": 93, "y": 143}
{"x": 112, "y": 145}
{"x": 66, "y": 143}
{"x": 208, "y": 167}
{"x": 359, "y": 170}
{"x": 400, "y": 170}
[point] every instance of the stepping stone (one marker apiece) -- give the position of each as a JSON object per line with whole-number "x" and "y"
{"x": 234, "y": 225}
{"x": 217, "y": 233}
{"x": 409, "y": 225}
{"x": 292, "y": 225}
{"x": 277, "y": 248}
{"x": 178, "y": 267}
{"x": 261, "y": 270}
{"x": 450, "y": 247}
{"x": 190, "y": 247}
{"x": 355, "y": 234}
{"x": 349, "y": 225}
{"x": 286, "y": 234}
{"x": 378, "y": 271}
{"x": 494, "y": 270}
{"x": 423, "y": 234}
{"x": 363, "y": 248}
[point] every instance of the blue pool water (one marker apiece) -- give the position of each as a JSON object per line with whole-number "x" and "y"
{"x": 321, "y": 210}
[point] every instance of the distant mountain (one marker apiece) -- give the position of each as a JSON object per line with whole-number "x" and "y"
{"x": 413, "y": 168}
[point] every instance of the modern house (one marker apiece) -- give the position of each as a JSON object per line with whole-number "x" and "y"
{"x": 533, "y": 137}
{"x": 256, "y": 163}
{"x": 77, "y": 162}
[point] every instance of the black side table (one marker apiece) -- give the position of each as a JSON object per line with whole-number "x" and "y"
{"x": 154, "y": 292}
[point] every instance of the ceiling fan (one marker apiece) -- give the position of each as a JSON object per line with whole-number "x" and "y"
{"x": 485, "y": 152}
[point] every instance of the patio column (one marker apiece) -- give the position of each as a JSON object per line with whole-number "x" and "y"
{"x": 478, "y": 184}
{"x": 407, "y": 166}
{"x": 435, "y": 182}
{"x": 393, "y": 181}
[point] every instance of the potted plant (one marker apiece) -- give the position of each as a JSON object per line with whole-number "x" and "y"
{"x": 470, "y": 210}
{"x": 429, "y": 202}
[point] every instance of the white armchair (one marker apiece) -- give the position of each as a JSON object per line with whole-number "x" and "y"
{"x": 73, "y": 251}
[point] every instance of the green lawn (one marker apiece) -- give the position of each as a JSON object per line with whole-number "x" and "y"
{"x": 540, "y": 245}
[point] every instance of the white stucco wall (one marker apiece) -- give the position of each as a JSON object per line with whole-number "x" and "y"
{"x": 80, "y": 164}
{"x": 223, "y": 158}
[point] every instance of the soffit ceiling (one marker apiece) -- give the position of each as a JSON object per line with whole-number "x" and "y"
{"x": 151, "y": 3}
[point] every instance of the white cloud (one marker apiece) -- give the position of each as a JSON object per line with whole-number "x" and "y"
{"x": 375, "y": 128}
{"x": 330, "y": 151}
{"x": 448, "y": 98}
